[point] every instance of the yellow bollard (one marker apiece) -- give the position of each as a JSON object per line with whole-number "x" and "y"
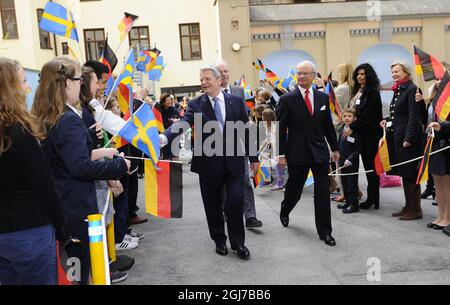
{"x": 111, "y": 241}
{"x": 96, "y": 249}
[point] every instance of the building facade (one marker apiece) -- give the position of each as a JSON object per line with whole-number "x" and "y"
{"x": 200, "y": 32}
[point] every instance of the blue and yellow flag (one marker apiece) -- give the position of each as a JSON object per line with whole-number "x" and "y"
{"x": 142, "y": 131}
{"x": 156, "y": 72}
{"x": 262, "y": 176}
{"x": 146, "y": 61}
{"x": 58, "y": 20}
{"x": 125, "y": 87}
{"x": 310, "y": 180}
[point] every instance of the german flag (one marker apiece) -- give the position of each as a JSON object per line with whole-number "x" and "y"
{"x": 126, "y": 24}
{"x": 427, "y": 65}
{"x": 158, "y": 118}
{"x": 382, "y": 163}
{"x": 334, "y": 102}
{"x": 441, "y": 101}
{"x": 108, "y": 58}
{"x": 423, "y": 169}
{"x": 259, "y": 65}
{"x": 272, "y": 76}
{"x": 164, "y": 189}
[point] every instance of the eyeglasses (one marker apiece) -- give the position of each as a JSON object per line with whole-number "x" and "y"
{"x": 76, "y": 78}
{"x": 305, "y": 73}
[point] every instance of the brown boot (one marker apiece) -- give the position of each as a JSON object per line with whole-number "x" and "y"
{"x": 415, "y": 210}
{"x": 406, "y": 207}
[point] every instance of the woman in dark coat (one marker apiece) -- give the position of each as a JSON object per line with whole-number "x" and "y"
{"x": 68, "y": 147}
{"x": 406, "y": 137}
{"x": 169, "y": 115}
{"x": 366, "y": 100}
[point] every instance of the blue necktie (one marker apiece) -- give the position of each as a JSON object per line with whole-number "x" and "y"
{"x": 218, "y": 112}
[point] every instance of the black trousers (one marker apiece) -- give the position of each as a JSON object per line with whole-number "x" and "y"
{"x": 294, "y": 188}
{"x": 350, "y": 186}
{"x": 133, "y": 187}
{"x": 80, "y": 250}
{"x": 211, "y": 189}
{"x": 369, "y": 149}
{"x": 121, "y": 207}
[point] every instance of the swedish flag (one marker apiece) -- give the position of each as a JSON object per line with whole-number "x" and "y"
{"x": 156, "y": 72}
{"x": 142, "y": 131}
{"x": 58, "y": 20}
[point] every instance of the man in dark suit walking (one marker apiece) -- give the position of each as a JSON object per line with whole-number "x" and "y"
{"x": 305, "y": 113}
{"x": 249, "y": 197}
{"x": 220, "y": 169}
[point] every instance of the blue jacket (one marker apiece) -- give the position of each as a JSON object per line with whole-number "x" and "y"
{"x": 68, "y": 149}
{"x": 214, "y": 165}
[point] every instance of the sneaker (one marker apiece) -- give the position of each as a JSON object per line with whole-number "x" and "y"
{"x": 118, "y": 276}
{"x": 135, "y": 234}
{"x": 131, "y": 238}
{"x": 126, "y": 245}
{"x": 277, "y": 188}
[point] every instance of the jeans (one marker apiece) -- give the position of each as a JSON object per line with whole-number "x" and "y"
{"x": 28, "y": 257}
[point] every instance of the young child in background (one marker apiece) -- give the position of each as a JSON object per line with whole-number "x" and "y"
{"x": 349, "y": 150}
{"x": 269, "y": 118}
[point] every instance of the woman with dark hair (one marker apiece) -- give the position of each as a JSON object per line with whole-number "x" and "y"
{"x": 366, "y": 100}
{"x": 169, "y": 115}
{"x": 406, "y": 137}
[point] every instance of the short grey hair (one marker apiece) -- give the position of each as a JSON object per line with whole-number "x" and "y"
{"x": 213, "y": 69}
{"x": 308, "y": 63}
{"x": 405, "y": 66}
{"x": 221, "y": 62}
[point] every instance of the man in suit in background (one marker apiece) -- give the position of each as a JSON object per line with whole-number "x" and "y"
{"x": 249, "y": 198}
{"x": 219, "y": 170}
{"x": 306, "y": 114}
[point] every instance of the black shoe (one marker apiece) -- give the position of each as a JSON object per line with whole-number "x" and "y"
{"x": 253, "y": 223}
{"x": 222, "y": 249}
{"x": 427, "y": 193}
{"x": 284, "y": 220}
{"x": 242, "y": 251}
{"x": 366, "y": 205}
{"x": 447, "y": 230}
{"x": 435, "y": 203}
{"x": 438, "y": 227}
{"x": 431, "y": 225}
{"x": 329, "y": 240}
{"x": 350, "y": 210}
{"x": 117, "y": 276}
{"x": 343, "y": 206}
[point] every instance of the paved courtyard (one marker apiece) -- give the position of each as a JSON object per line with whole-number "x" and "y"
{"x": 180, "y": 252}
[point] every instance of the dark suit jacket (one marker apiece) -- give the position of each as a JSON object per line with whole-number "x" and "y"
{"x": 214, "y": 165}
{"x": 349, "y": 150}
{"x": 305, "y": 143}
{"x": 68, "y": 149}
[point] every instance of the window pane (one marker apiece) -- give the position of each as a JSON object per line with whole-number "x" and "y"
{"x": 100, "y": 48}
{"x": 184, "y": 29}
{"x": 5, "y": 4}
{"x": 195, "y": 41}
{"x": 143, "y": 34}
{"x": 143, "y": 44}
{"x": 91, "y": 51}
{"x": 195, "y": 29}
{"x": 10, "y": 23}
{"x": 99, "y": 35}
{"x": 90, "y": 35}
{"x": 186, "y": 48}
{"x": 134, "y": 34}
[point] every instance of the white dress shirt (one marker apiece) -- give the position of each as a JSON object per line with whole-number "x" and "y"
{"x": 78, "y": 112}
{"x": 111, "y": 123}
{"x": 227, "y": 88}
{"x": 311, "y": 95}
{"x": 221, "y": 98}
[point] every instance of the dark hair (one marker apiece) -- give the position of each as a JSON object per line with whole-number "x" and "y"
{"x": 98, "y": 67}
{"x": 372, "y": 80}
{"x": 85, "y": 88}
{"x": 162, "y": 100}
